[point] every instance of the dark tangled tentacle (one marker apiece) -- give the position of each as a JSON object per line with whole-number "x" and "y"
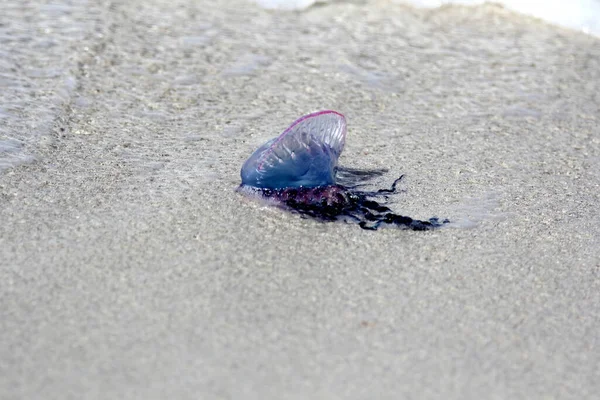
{"x": 342, "y": 203}
{"x": 339, "y": 202}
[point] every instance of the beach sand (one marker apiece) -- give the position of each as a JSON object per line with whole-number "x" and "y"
{"x": 131, "y": 269}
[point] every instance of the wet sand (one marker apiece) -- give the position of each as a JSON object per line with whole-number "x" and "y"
{"x": 131, "y": 269}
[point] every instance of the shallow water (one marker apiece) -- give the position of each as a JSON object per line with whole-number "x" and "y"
{"x": 40, "y": 46}
{"x": 44, "y": 49}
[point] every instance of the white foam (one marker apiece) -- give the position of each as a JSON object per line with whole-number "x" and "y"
{"x": 583, "y": 15}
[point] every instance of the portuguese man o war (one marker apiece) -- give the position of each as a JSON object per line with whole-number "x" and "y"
{"x": 298, "y": 171}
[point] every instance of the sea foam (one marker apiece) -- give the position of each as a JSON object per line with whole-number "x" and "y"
{"x": 582, "y": 15}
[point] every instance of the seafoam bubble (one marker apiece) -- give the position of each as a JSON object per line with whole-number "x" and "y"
{"x": 11, "y": 154}
{"x": 299, "y": 171}
{"x": 247, "y": 64}
{"x": 473, "y": 211}
{"x": 10, "y": 146}
{"x": 287, "y": 4}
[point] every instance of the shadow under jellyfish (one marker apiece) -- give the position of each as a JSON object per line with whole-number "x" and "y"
{"x": 298, "y": 171}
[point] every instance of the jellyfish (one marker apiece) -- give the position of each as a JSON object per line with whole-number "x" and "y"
{"x": 299, "y": 171}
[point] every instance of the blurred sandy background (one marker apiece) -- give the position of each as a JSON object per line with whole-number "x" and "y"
{"x": 130, "y": 269}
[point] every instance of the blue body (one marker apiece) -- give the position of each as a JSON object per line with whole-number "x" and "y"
{"x": 304, "y": 155}
{"x": 310, "y": 167}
